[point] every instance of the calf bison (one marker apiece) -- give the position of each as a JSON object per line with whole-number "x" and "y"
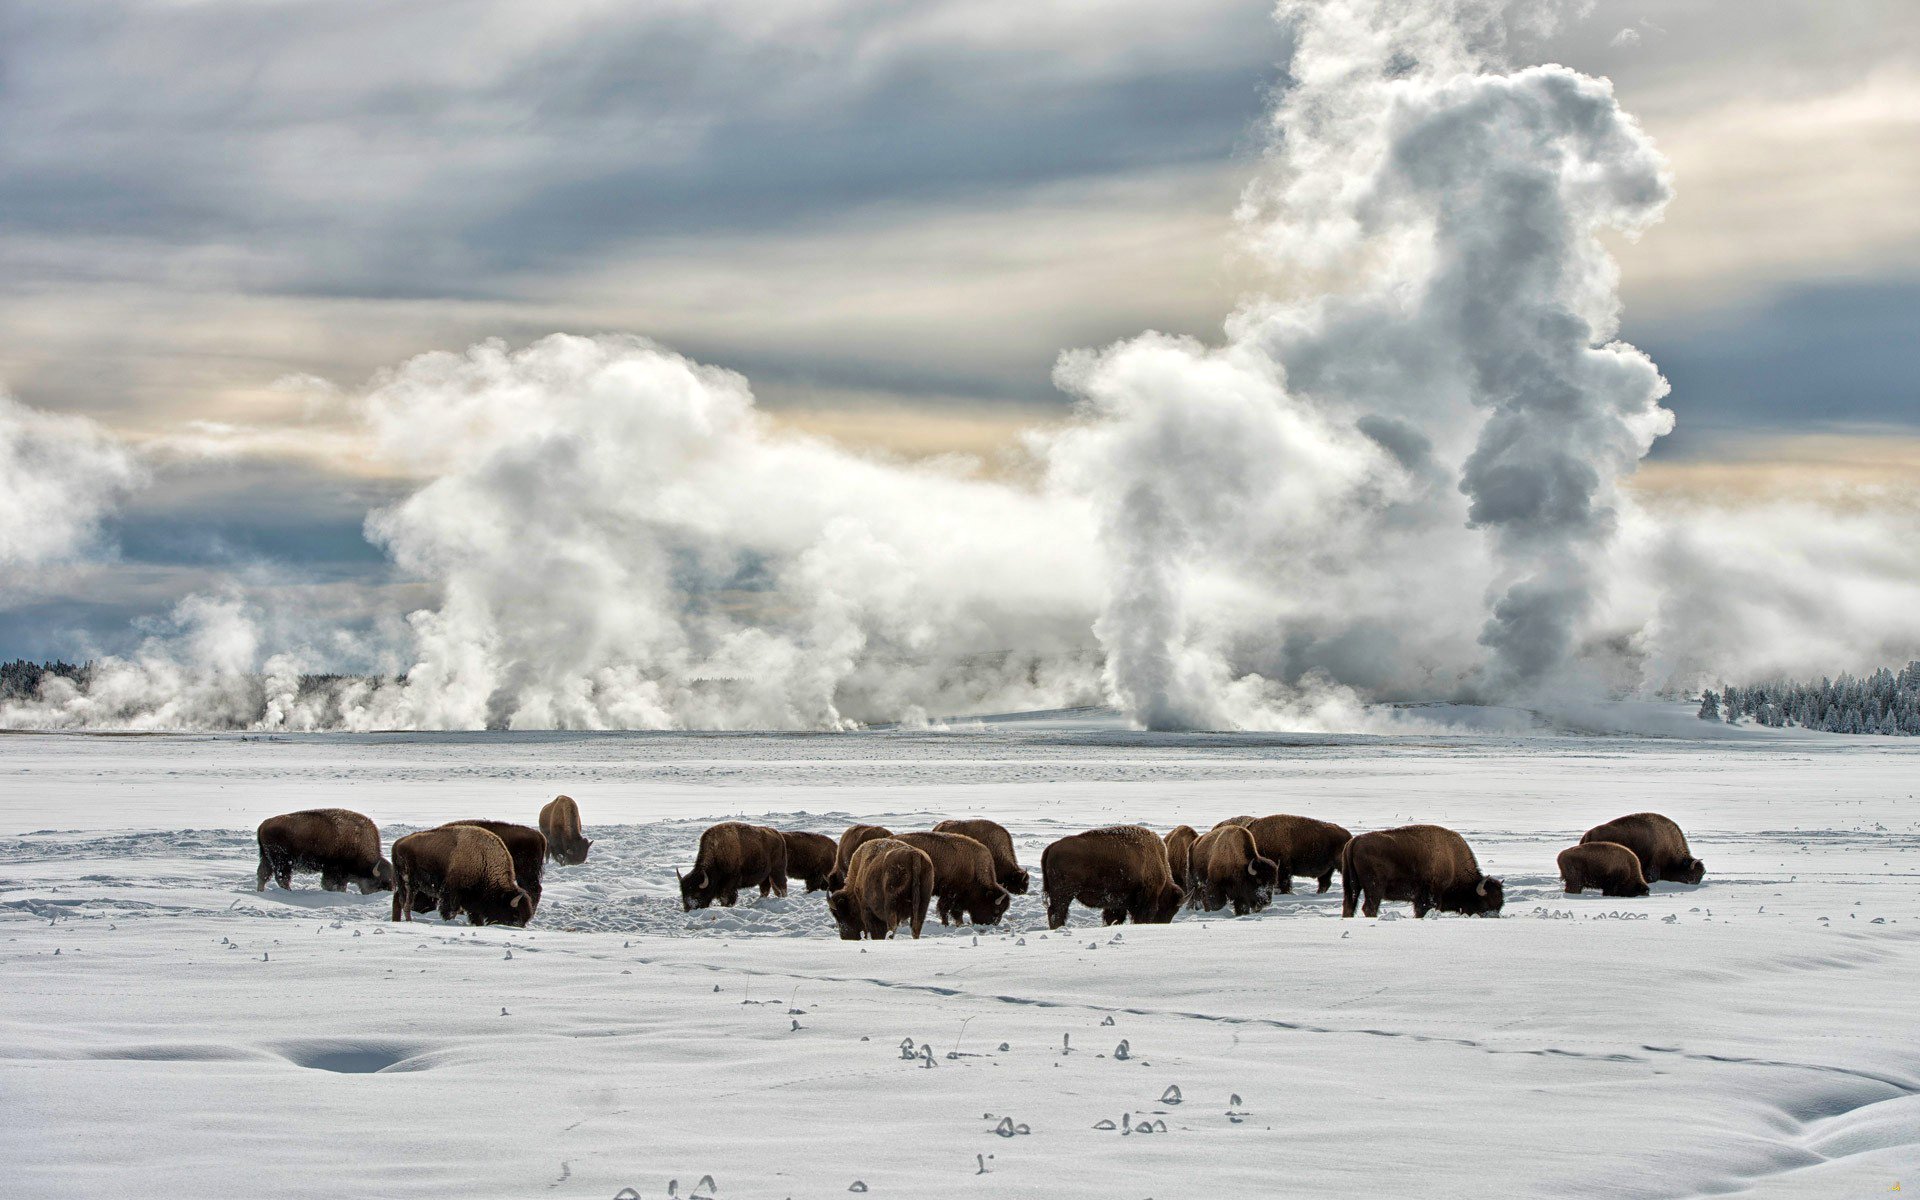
{"x": 1657, "y": 842}
{"x": 528, "y": 849}
{"x": 1226, "y": 868}
{"x": 888, "y": 881}
{"x": 810, "y": 858}
{"x": 1608, "y": 866}
{"x": 466, "y": 869}
{"x": 343, "y": 846}
{"x": 1297, "y": 845}
{"x": 734, "y": 856}
{"x": 560, "y": 825}
{"x": 1179, "y": 842}
{"x": 850, "y": 841}
{"x": 1431, "y": 866}
{"x": 1120, "y": 870}
{"x": 999, "y": 843}
{"x": 964, "y": 882}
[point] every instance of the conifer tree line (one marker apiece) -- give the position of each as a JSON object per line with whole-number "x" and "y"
{"x": 1885, "y": 702}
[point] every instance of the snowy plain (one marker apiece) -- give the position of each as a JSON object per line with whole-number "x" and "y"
{"x": 167, "y": 1031}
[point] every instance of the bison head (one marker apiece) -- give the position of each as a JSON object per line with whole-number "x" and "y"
{"x": 845, "y": 915}
{"x": 1486, "y": 898}
{"x": 697, "y": 890}
{"x": 380, "y": 881}
{"x": 1018, "y": 882}
{"x": 1167, "y": 904}
{"x": 997, "y": 902}
{"x": 501, "y": 908}
{"x": 1693, "y": 872}
{"x": 1263, "y": 870}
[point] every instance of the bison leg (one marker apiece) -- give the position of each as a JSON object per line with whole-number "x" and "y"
{"x": 1326, "y": 880}
{"x": 330, "y": 882}
{"x": 1371, "y": 906}
{"x": 402, "y": 903}
{"x": 265, "y": 873}
{"x": 1113, "y": 916}
{"x": 1057, "y": 907}
{"x": 1349, "y": 894}
{"x": 1422, "y": 904}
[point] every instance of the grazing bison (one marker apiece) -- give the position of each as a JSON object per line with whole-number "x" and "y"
{"x": 1608, "y": 866}
{"x": 1297, "y": 845}
{"x": 1226, "y": 868}
{"x": 888, "y": 881}
{"x": 528, "y": 849}
{"x": 1657, "y": 842}
{"x": 963, "y": 878}
{"x": 1180, "y": 840}
{"x": 343, "y": 846}
{"x": 850, "y": 841}
{"x": 810, "y": 858}
{"x": 1431, "y": 866}
{"x": 1120, "y": 870}
{"x": 992, "y": 835}
{"x": 560, "y": 825}
{"x": 466, "y": 869}
{"x": 734, "y": 856}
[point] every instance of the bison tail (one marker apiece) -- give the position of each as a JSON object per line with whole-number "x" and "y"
{"x": 922, "y": 893}
{"x": 1349, "y": 886}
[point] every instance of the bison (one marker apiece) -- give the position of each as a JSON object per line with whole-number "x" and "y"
{"x": 1179, "y": 842}
{"x": 1298, "y": 846}
{"x": 964, "y": 882}
{"x": 343, "y": 846}
{"x": 560, "y": 825}
{"x": 810, "y": 858}
{"x": 888, "y": 881}
{"x": 850, "y": 841}
{"x": 528, "y": 849}
{"x": 1608, "y": 866}
{"x": 1120, "y": 870}
{"x": 1226, "y": 868}
{"x": 734, "y": 856}
{"x": 466, "y": 869}
{"x": 999, "y": 843}
{"x": 1430, "y": 866}
{"x": 1657, "y": 842}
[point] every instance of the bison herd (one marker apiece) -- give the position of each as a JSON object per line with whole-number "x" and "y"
{"x": 877, "y": 880}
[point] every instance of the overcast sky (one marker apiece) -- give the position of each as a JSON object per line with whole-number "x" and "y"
{"x": 892, "y": 215}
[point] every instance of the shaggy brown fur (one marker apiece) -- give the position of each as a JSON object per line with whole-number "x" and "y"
{"x": 1297, "y": 845}
{"x": 994, "y": 836}
{"x": 888, "y": 881}
{"x": 1180, "y": 840}
{"x": 1430, "y": 866}
{"x": 560, "y": 825}
{"x": 465, "y": 869}
{"x": 1120, "y": 870}
{"x": 963, "y": 878}
{"x": 850, "y": 841}
{"x": 1608, "y": 866}
{"x": 1226, "y": 868}
{"x": 343, "y": 846}
{"x": 810, "y": 858}
{"x": 528, "y": 849}
{"x": 734, "y": 856}
{"x": 1657, "y": 842}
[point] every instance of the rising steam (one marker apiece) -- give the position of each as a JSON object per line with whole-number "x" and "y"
{"x": 1395, "y": 478}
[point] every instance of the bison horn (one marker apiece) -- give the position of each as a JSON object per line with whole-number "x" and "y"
{"x": 678, "y": 877}
{"x": 1481, "y": 890}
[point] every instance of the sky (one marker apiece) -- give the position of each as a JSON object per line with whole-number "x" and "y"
{"x": 218, "y": 218}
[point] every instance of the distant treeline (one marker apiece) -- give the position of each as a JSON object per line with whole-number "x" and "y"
{"x": 1884, "y": 702}
{"x": 20, "y": 679}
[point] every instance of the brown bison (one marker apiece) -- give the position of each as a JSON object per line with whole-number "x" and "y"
{"x": 1180, "y": 840}
{"x": 1120, "y": 870}
{"x": 1431, "y": 866}
{"x": 734, "y": 856}
{"x": 560, "y": 825}
{"x": 1226, "y": 868}
{"x": 1657, "y": 842}
{"x": 888, "y": 881}
{"x": 465, "y": 869}
{"x": 528, "y": 849}
{"x": 1608, "y": 866}
{"x": 343, "y": 846}
{"x": 850, "y": 841}
{"x": 964, "y": 882}
{"x": 1298, "y": 846}
{"x": 999, "y": 843}
{"x": 810, "y": 858}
